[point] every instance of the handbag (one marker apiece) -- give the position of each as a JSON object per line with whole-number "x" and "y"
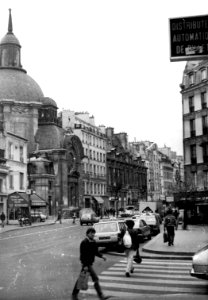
{"x": 137, "y": 258}
{"x": 82, "y": 281}
{"x": 165, "y": 237}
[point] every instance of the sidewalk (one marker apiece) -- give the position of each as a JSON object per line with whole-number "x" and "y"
{"x": 14, "y": 225}
{"x": 186, "y": 243}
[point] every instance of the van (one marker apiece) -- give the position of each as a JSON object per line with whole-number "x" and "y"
{"x": 88, "y": 216}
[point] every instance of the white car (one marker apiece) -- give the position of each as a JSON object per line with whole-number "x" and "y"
{"x": 200, "y": 264}
{"x": 108, "y": 233}
{"x": 38, "y": 216}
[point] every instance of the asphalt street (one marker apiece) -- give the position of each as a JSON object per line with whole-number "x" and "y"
{"x": 42, "y": 262}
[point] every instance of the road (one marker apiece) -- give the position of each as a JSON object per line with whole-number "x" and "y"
{"x": 42, "y": 263}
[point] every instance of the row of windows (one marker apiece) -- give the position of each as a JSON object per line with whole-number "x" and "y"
{"x": 192, "y": 76}
{"x": 99, "y": 156}
{"x": 203, "y": 97}
{"x": 204, "y": 122}
{"x": 96, "y": 169}
{"x": 94, "y": 188}
{"x": 93, "y": 140}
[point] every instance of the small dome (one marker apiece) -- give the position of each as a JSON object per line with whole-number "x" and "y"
{"x": 48, "y": 101}
{"x": 10, "y": 38}
{"x": 17, "y": 85}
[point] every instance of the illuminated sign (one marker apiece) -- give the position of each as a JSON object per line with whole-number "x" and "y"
{"x": 189, "y": 38}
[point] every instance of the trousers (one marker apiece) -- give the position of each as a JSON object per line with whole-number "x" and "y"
{"x": 95, "y": 279}
{"x": 129, "y": 256}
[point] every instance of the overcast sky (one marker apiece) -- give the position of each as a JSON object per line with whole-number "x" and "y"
{"x": 110, "y": 58}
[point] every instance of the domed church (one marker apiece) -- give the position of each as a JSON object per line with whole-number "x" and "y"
{"x": 54, "y": 154}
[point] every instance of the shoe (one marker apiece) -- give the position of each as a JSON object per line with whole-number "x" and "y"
{"x": 132, "y": 270}
{"x": 127, "y": 274}
{"x": 105, "y": 297}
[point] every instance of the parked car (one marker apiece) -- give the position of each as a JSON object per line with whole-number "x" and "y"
{"x": 108, "y": 232}
{"x": 153, "y": 221}
{"x": 143, "y": 230}
{"x": 88, "y": 216}
{"x": 38, "y": 216}
{"x": 200, "y": 264}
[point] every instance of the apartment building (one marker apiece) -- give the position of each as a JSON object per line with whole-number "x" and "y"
{"x": 93, "y": 140}
{"x": 194, "y": 90}
{"x": 13, "y": 166}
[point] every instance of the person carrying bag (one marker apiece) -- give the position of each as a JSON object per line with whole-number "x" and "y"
{"x": 82, "y": 281}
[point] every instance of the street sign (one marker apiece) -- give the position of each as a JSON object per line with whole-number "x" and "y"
{"x": 189, "y": 38}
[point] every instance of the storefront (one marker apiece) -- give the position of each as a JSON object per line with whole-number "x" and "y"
{"x": 18, "y": 205}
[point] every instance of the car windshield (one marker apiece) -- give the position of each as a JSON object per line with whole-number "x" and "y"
{"x": 106, "y": 227}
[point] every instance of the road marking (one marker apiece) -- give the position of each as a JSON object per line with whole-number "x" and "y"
{"x": 146, "y": 280}
{"x": 37, "y": 232}
{"x": 150, "y": 279}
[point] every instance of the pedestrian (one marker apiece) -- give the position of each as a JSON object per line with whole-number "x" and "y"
{"x": 88, "y": 251}
{"x": 131, "y": 251}
{"x": 3, "y": 217}
{"x": 74, "y": 218}
{"x": 176, "y": 214}
{"x": 169, "y": 225}
{"x": 59, "y": 217}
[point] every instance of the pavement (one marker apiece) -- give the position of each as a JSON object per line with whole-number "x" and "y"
{"x": 186, "y": 243}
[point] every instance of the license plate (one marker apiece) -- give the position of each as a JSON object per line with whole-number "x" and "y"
{"x": 104, "y": 238}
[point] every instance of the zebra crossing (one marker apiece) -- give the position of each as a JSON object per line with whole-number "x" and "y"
{"x": 151, "y": 278}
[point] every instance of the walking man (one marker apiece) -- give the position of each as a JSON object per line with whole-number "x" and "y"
{"x": 169, "y": 225}
{"x": 3, "y": 217}
{"x": 59, "y": 217}
{"x": 88, "y": 251}
{"x": 131, "y": 251}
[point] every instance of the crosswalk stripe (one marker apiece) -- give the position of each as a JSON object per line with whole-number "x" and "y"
{"x": 167, "y": 271}
{"x": 116, "y": 271}
{"x": 146, "y": 287}
{"x": 146, "y": 280}
{"x": 156, "y": 267}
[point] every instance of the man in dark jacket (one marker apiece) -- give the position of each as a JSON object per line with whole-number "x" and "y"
{"x": 130, "y": 252}
{"x": 169, "y": 225}
{"x": 88, "y": 251}
{"x": 3, "y": 217}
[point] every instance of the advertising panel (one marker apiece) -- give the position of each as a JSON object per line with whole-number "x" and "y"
{"x": 189, "y": 38}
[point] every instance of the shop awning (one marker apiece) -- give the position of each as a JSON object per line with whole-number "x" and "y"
{"x": 99, "y": 200}
{"x": 21, "y": 199}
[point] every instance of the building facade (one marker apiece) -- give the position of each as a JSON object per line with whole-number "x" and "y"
{"x": 94, "y": 170}
{"x": 126, "y": 173}
{"x": 194, "y": 91}
{"x": 25, "y": 112}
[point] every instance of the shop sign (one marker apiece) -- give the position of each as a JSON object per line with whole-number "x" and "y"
{"x": 17, "y": 201}
{"x": 189, "y": 38}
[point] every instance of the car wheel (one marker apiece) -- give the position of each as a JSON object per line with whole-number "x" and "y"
{"x": 38, "y": 220}
{"x": 149, "y": 237}
{"x": 81, "y": 223}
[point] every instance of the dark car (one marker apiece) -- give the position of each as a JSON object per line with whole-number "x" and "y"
{"x": 200, "y": 264}
{"x": 143, "y": 230}
{"x": 153, "y": 221}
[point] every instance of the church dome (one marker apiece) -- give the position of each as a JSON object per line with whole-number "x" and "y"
{"x": 46, "y": 101}
{"x": 17, "y": 85}
{"x": 10, "y": 39}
